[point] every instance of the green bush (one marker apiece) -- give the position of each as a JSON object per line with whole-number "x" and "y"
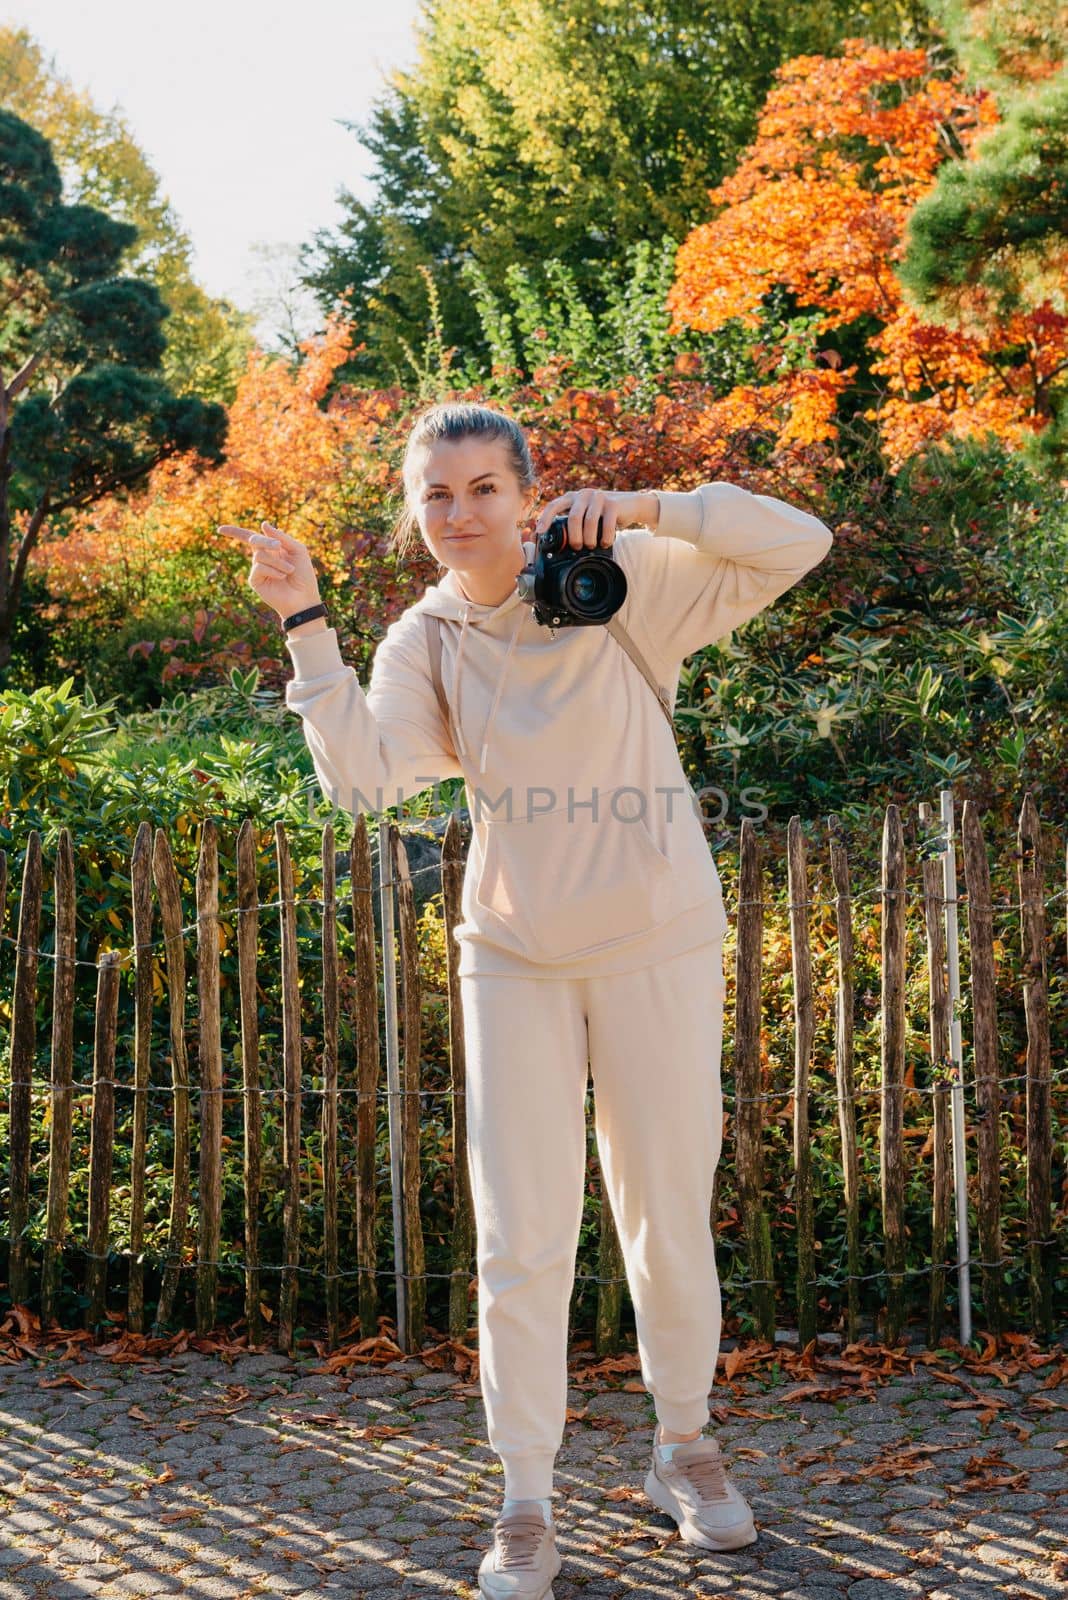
{"x": 931, "y": 646}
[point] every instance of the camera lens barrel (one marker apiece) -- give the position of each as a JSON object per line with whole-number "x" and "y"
{"x": 568, "y": 588}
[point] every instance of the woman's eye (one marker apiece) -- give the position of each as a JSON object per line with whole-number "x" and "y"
{"x": 492, "y": 487}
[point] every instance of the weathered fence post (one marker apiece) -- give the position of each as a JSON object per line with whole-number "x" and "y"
{"x": 1041, "y": 1260}
{"x": 141, "y": 909}
{"x": 797, "y": 879}
{"x": 368, "y": 1071}
{"x": 328, "y": 1124}
{"x": 59, "y": 1132}
{"x": 102, "y": 1134}
{"x": 845, "y": 1082}
{"x": 386, "y": 879}
{"x": 411, "y": 1105}
{"x": 985, "y": 1055}
{"x": 292, "y": 1078}
{"x": 209, "y": 1053}
{"x": 248, "y": 919}
{"x": 170, "y": 910}
{"x": 892, "y": 1103}
{"x": 748, "y": 1106}
{"x": 938, "y": 991}
{"x": 956, "y": 1052}
{"x": 611, "y": 1277}
{"x": 23, "y": 1052}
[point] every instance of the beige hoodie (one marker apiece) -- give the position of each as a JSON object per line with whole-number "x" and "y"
{"x": 588, "y": 854}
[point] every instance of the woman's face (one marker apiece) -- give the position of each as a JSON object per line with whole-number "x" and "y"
{"x": 469, "y": 504}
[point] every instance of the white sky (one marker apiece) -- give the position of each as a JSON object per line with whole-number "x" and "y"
{"x": 235, "y": 104}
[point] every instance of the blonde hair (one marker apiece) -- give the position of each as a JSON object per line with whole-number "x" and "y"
{"x": 456, "y": 420}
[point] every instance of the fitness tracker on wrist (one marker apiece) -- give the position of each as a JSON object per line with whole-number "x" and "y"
{"x": 307, "y": 615}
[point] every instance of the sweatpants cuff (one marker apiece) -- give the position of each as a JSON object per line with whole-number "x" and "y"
{"x": 529, "y": 1476}
{"x": 682, "y": 1416}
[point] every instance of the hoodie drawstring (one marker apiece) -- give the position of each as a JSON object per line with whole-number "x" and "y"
{"x": 462, "y": 752}
{"x": 500, "y": 686}
{"x": 459, "y": 658}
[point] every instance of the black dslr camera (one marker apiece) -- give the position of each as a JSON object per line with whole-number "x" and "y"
{"x": 566, "y": 587}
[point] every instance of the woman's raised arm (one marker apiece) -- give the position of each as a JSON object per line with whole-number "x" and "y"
{"x": 370, "y": 751}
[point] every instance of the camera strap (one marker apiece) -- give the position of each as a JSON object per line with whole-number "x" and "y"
{"x": 622, "y": 637}
{"x": 613, "y": 626}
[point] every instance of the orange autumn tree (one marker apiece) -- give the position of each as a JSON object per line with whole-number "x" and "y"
{"x": 689, "y": 435}
{"x": 818, "y": 207}
{"x": 293, "y": 449}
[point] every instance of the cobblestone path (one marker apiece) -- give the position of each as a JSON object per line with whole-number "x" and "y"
{"x": 227, "y": 1479}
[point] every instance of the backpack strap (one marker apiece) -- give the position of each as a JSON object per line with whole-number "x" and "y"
{"x": 622, "y": 637}
{"x": 432, "y": 625}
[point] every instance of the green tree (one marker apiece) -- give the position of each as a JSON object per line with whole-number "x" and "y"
{"x": 999, "y": 222}
{"x": 377, "y": 259}
{"x": 208, "y": 339}
{"x": 990, "y": 239}
{"x": 1004, "y": 45}
{"x": 626, "y": 340}
{"x": 84, "y": 410}
{"x": 568, "y": 130}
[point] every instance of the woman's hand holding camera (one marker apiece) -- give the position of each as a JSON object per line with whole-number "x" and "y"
{"x": 584, "y": 507}
{"x": 282, "y": 572}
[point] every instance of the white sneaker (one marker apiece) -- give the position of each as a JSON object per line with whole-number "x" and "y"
{"x": 692, "y": 1486}
{"x": 524, "y": 1559}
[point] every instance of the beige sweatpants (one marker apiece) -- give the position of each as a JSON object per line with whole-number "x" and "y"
{"x": 651, "y": 1040}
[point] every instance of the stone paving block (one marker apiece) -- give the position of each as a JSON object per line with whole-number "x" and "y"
{"x": 811, "y": 1592}
{"x": 892, "y": 1588}
{"x": 57, "y": 1588}
{"x": 972, "y": 1591}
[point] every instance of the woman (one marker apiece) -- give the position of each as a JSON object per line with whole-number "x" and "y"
{"x": 593, "y": 917}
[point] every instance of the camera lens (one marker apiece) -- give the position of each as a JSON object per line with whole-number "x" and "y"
{"x": 594, "y": 588}
{"x": 588, "y": 588}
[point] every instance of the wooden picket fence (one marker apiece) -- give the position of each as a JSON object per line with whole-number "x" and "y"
{"x": 35, "y": 1284}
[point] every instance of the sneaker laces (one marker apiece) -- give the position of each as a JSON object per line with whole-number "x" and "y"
{"x": 518, "y": 1536}
{"x": 707, "y": 1473}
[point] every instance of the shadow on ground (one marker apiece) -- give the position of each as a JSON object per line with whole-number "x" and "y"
{"x": 258, "y": 1475}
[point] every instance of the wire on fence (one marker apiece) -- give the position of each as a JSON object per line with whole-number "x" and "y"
{"x": 1008, "y": 906}
{"x": 240, "y": 1091}
{"x": 822, "y": 1282}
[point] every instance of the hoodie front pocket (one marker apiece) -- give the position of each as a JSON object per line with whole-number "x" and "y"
{"x": 568, "y": 885}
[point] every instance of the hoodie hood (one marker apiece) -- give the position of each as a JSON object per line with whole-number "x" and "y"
{"x": 498, "y": 623}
